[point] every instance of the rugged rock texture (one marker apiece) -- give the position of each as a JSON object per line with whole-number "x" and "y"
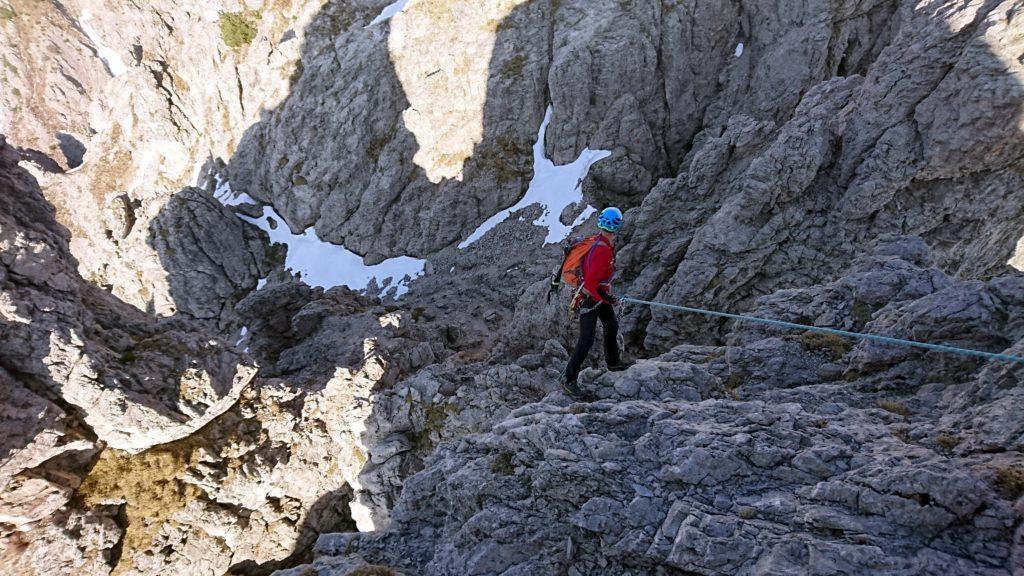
{"x": 838, "y": 466}
{"x": 81, "y": 371}
{"x": 174, "y": 402}
{"x": 148, "y": 131}
{"x": 433, "y": 129}
{"x": 139, "y": 382}
{"x": 861, "y": 155}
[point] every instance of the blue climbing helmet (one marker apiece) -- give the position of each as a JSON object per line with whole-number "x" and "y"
{"x": 610, "y": 219}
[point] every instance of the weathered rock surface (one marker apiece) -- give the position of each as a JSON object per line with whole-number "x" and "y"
{"x": 673, "y": 469}
{"x": 138, "y": 382}
{"x": 149, "y": 130}
{"x": 854, "y": 157}
{"x": 851, "y": 164}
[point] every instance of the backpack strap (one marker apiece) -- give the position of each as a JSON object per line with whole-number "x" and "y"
{"x": 556, "y": 275}
{"x": 598, "y": 239}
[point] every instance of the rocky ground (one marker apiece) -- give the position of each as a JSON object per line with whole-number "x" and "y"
{"x": 175, "y": 401}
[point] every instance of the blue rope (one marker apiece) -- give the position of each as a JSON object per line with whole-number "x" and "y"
{"x": 874, "y": 337}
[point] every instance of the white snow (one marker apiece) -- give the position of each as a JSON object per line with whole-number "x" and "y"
{"x": 242, "y": 335}
{"x": 222, "y": 192}
{"x": 322, "y": 263}
{"x": 262, "y": 282}
{"x": 109, "y": 57}
{"x": 555, "y": 188}
{"x": 587, "y": 212}
{"x": 389, "y": 11}
{"x": 739, "y": 49}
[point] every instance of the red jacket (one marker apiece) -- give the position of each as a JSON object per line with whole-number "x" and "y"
{"x": 598, "y": 270}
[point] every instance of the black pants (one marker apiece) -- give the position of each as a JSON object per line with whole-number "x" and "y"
{"x": 590, "y": 312}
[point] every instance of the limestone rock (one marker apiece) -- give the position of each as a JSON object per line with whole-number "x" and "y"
{"x": 175, "y": 402}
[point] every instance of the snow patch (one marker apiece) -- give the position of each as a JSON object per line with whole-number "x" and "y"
{"x": 587, "y": 213}
{"x": 322, "y": 263}
{"x": 389, "y": 11}
{"x": 223, "y": 193}
{"x": 739, "y": 49}
{"x": 555, "y": 188}
{"x": 113, "y": 61}
{"x": 242, "y": 335}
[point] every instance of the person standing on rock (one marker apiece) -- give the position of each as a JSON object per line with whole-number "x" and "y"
{"x": 594, "y": 301}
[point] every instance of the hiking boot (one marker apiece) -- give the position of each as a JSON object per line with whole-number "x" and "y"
{"x": 571, "y": 388}
{"x": 620, "y": 366}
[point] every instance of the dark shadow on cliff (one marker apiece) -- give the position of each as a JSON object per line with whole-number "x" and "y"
{"x": 60, "y": 306}
{"x": 384, "y": 143}
{"x": 452, "y": 316}
{"x": 715, "y": 250}
{"x": 75, "y": 345}
{"x": 328, "y": 514}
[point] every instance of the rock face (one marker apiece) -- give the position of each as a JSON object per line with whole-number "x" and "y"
{"x": 766, "y": 208}
{"x": 138, "y": 382}
{"x": 431, "y": 140}
{"x": 150, "y": 123}
{"x": 80, "y": 371}
{"x": 774, "y": 454}
{"x": 173, "y": 400}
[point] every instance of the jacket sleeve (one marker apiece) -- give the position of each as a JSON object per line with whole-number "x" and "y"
{"x": 597, "y": 268}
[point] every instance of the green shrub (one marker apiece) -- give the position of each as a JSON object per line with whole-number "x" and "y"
{"x": 1010, "y": 482}
{"x": 373, "y": 570}
{"x": 238, "y": 28}
{"x": 7, "y": 13}
{"x": 502, "y": 464}
{"x": 894, "y": 406}
{"x": 947, "y": 441}
{"x": 835, "y": 347}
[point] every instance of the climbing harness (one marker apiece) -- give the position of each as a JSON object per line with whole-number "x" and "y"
{"x": 575, "y": 300}
{"x": 833, "y": 331}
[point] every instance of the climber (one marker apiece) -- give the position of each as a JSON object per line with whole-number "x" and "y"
{"x": 593, "y": 299}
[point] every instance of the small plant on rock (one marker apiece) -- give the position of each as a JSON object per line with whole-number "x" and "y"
{"x": 238, "y": 28}
{"x": 835, "y": 347}
{"x": 7, "y": 13}
{"x": 894, "y": 406}
{"x": 373, "y": 570}
{"x": 502, "y": 464}
{"x": 736, "y": 379}
{"x": 902, "y": 432}
{"x": 513, "y": 67}
{"x": 747, "y": 512}
{"x": 947, "y": 441}
{"x": 1010, "y": 482}
{"x": 862, "y": 312}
